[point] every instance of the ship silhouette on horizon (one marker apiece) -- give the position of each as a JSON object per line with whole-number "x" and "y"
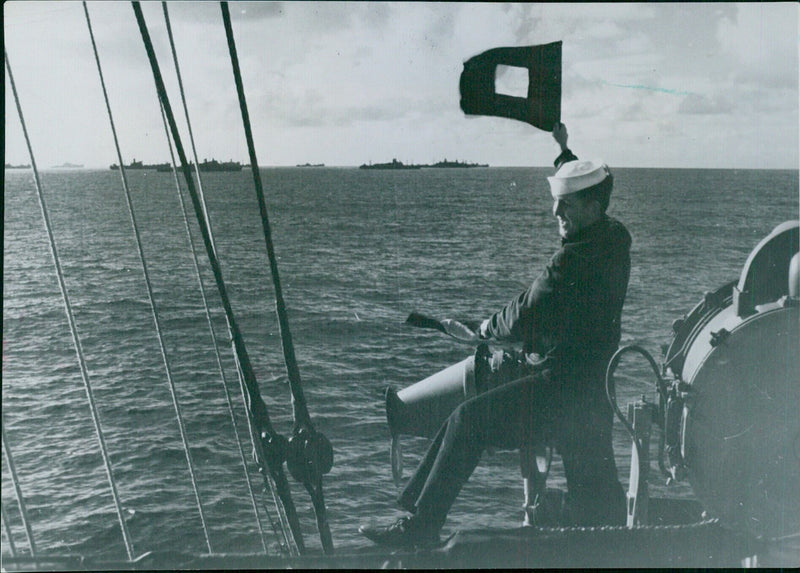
{"x": 395, "y": 164}
{"x": 205, "y": 166}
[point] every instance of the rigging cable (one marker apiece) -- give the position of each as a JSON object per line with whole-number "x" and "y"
{"x": 188, "y": 122}
{"x": 199, "y": 276}
{"x": 214, "y": 342}
{"x": 7, "y": 529}
{"x": 271, "y": 448}
{"x": 18, "y": 491}
{"x": 310, "y": 453}
{"x": 170, "y": 381}
{"x": 71, "y": 320}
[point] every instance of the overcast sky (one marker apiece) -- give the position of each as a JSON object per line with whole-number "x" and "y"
{"x": 644, "y": 85}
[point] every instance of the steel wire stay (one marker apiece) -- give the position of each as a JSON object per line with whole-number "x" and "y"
{"x": 199, "y": 276}
{"x": 216, "y": 350}
{"x": 309, "y": 454}
{"x": 151, "y": 296}
{"x": 71, "y": 320}
{"x": 23, "y": 512}
{"x": 7, "y": 530}
{"x": 270, "y": 447}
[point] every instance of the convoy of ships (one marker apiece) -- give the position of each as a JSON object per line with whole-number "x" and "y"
{"x": 214, "y": 165}
{"x": 395, "y": 164}
{"x": 205, "y": 166}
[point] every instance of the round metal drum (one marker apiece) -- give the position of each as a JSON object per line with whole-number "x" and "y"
{"x": 741, "y": 439}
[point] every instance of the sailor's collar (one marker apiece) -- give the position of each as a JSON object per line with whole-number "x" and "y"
{"x": 590, "y": 231}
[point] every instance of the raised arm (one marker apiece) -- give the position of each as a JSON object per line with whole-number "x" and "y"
{"x": 560, "y": 135}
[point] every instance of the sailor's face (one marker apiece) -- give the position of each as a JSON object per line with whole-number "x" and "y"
{"x": 573, "y": 214}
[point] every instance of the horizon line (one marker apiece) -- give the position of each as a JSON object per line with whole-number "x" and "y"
{"x": 68, "y": 166}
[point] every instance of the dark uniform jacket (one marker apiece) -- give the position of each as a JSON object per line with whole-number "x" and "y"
{"x": 570, "y": 316}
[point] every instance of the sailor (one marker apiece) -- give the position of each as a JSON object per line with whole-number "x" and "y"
{"x": 569, "y": 324}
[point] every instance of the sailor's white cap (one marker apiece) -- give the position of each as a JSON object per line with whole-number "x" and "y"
{"x": 574, "y": 176}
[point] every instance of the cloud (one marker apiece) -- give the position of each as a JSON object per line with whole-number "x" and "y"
{"x": 209, "y": 13}
{"x": 310, "y": 20}
{"x": 350, "y": 78}
{"x": 695, "y": 104}
{"x": 766, "y": 79}
{"x": 761, "y": 37}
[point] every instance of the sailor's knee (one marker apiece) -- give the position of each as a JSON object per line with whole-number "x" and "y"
{"x": 461, "y": 414}
{"x": 468, "y": 414}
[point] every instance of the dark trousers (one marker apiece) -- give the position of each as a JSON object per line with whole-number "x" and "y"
{"x": 510, "y": 417}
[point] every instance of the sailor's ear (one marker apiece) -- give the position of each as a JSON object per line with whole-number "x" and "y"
{"x": 595, "y": 207}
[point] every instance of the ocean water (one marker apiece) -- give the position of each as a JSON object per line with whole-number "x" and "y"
{"x": 358, "y": 250}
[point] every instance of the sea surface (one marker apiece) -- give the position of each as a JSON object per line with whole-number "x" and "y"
{"x": 358, "y": 250}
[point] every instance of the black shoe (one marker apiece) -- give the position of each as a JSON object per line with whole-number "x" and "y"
{"x": 405, "y": 532}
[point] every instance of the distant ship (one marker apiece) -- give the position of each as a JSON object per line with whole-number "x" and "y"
{"x": 68, "y": 165}
{"x": 9, "y": 166}
{"x": 311, "y": 165}
{"x": 207, "y": 166}
{"x": 395, "y": 164}
{"x": 447, "y": 163}
{"x": 215, "y": 165}
{"x": 135, "y": 165}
